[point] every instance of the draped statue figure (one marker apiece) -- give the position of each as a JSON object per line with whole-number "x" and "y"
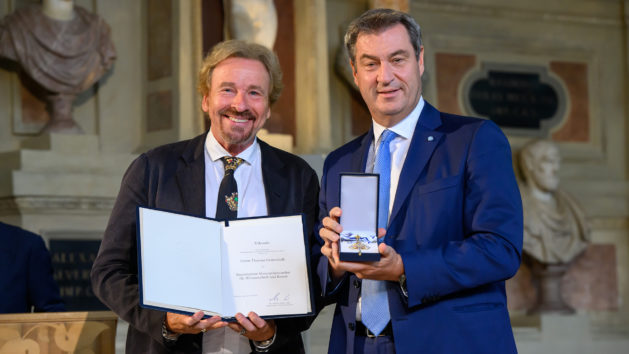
{"x": 555, "y": 226}
{"x": 63, "y": 48}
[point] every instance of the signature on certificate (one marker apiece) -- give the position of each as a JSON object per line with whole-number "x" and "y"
{"x": 280, "y": 298}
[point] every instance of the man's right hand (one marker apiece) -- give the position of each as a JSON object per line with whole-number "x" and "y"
{"x": 330, "y": 235}
{"x": 194, "y": 324}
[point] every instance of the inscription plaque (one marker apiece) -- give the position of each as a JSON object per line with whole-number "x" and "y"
{"x": 71, "y": 263}
{"x": 517, "y": 98}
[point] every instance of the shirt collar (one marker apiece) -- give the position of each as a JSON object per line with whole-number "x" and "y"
{"x": 403, "y": 128}
{"x": 216, "y": 150}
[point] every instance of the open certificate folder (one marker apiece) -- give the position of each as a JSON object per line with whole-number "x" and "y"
{"x": 189, "y": 263}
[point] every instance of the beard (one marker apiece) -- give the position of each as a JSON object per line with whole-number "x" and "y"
{"x": 237, "y": 135}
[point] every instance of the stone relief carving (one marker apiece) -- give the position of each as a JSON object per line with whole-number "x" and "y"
{"x": 555, "y": 227}
{"x": 64, "y": 48}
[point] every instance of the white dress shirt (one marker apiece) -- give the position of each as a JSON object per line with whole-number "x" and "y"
{"x": 251, "y": 202}
{"x": 398, "y": 148}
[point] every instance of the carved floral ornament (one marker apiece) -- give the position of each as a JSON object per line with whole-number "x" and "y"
{"x": 40, "y": 338}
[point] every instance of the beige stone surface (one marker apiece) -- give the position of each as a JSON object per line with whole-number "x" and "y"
{"x": 313, "y": 102}
{"x": 120, "y": 101}
{"x": 57, "y": 183}
{"x": 62, "y": 165}
{"x": 568, "y": 334}
{"x": 282, "y": 141}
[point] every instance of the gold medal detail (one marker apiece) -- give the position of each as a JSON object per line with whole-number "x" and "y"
{"x": 359, "y": 245}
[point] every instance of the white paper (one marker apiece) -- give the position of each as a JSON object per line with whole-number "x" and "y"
{"x": 265, "y": 266}
{"x": 192, "y": 264}
{"x": 177, "y": 252}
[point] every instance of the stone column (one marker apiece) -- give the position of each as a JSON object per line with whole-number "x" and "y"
{"x": 313, "y": 102}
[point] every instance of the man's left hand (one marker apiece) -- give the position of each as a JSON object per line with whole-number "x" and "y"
{"x": 255, "y": 327}
{"x": 389, "y": 267}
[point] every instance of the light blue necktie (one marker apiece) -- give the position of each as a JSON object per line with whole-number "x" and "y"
{"x": 375, "y": 304}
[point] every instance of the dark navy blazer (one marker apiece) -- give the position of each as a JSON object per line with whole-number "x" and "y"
{"x": 457, "y": 223}
{"x": 26, "y": 273}
{"x": 172, "y": 177}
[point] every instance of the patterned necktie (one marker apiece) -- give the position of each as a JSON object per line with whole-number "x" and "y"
{"x": 227, "y": 203}
{"x": 375, "y": 304}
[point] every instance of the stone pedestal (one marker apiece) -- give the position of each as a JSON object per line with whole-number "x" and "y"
{"x": 63, "y": 188}
{"x": 56, "y": 183}
{"x": 548, "y": 278}
{"x": 574, "y": 334}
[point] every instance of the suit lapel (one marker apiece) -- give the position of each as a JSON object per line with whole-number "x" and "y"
{"x": 274, "y": 180}
{"x": 359, "y": 157}
{"x": 191, "y": 177}
{"x": 425, "y": 140}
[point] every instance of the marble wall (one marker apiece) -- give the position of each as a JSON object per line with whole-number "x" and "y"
{"x": 55, "y": 183}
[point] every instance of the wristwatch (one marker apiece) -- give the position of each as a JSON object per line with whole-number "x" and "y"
{"x": 264, "y": 345}
{"x": 168, "y": 335}
{"x": 402, "y": 281}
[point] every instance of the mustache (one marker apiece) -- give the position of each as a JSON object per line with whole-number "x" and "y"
{"x": 246, "y": 114}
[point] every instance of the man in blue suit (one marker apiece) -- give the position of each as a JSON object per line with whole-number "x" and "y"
{"x": 451, "y": 229}
{"x": 26, "y": 281}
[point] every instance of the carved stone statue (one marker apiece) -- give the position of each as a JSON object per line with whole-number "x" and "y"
{"x": 63, "y": 48}
{"x": 251, "y": 20}
{"x": 555, "y": 226}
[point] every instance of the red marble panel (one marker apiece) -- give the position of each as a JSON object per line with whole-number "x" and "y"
{"x": 591, "y": 282}
{"x": 282, "y": 119}
{"x": 450, "y": 71}
{"x": 577, "y": 125}
{"x": 212, "y": 22}
{"x": 521, "y": 293}
{"x": 361, "y": 118}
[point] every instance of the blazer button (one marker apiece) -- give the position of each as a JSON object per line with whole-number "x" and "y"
{"x": 351, "y": 326}
{"x": 356, "y": 283}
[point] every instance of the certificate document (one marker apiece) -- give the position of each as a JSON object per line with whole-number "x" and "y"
{"x": 189, "y": 263}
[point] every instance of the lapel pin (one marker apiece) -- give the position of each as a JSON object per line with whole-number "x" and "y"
{"x": 431, "y": 138}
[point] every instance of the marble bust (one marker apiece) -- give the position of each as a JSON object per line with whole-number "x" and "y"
{"x": 63, "y": 48}
{"x": 555, "y": 226}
